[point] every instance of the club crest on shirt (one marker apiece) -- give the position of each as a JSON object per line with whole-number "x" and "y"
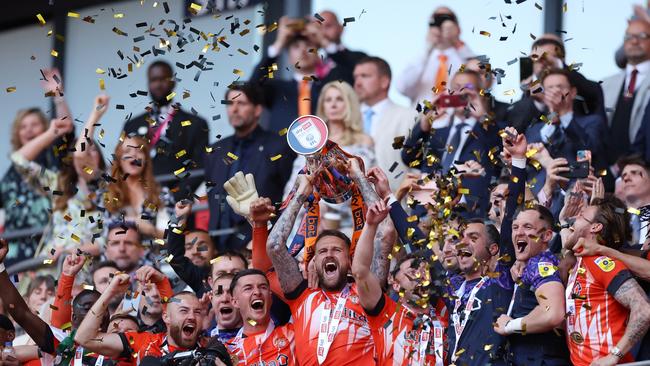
{"x": 605, "y": 263}
{"x": 546, "y": 268}
{"x": 354, "y": 299}
{"x": 280, "y": 342}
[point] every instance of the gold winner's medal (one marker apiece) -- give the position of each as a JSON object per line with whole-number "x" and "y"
{"x": 577, "y": 337}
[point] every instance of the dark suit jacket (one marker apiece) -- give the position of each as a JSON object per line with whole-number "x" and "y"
{"x": 270, "y": 178}
{"x": 282, "y": 95}
{"x": 583, "y": 133}
{"x": 420, "y": 144}
{"x": 193, "y": 139}
{"x": 590, "y": 100}
{"x": 641, "y": 144}
{"x": 345, "y": 73}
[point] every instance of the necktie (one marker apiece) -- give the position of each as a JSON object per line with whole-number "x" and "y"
{"x": 452, "y": 148}
{"x": 304, "y": 98}
{"x": 441, "y": 74}
{"x": 632, "y": 84}
{"x": 367, "y": 120}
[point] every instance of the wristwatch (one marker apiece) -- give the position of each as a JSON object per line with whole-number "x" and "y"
{"x": 616, "y": 352}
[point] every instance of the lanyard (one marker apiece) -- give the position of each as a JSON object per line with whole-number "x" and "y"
{"x": 459, "y": 326}
{"x": 78, "y": 356}
{"x": 328, "y": 327}
{"x": 570, "y": 301}
{"x": 238, "y": 341}
{"x": 423, "y": 342}
{"x": 512, "y": 301}
{"x": 157, "y": 132}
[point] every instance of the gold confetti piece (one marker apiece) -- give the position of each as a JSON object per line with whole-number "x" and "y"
{"x": 100, "y": 71}
{"x": 195, "y": 7}
{"x": 186, "y": 123}
{"x": 160, "y": 242}
{"x": 75, "y": 238}
{"x": 88, "y": 287}
{"x": 215, "y": 260}
{"x": 54, "y": 53}
{"x": 463, "y": 190}
{"x": 179, "y": 171}
{"x": 101, "y": 134}
{"x": 252, "y": 322}
{"x": 67, "y": 218}
{"x": 509, "y": 92}
{"x": 171, "y": 96}
{"x": 40, "y": 19}
{"x": 530, "y": 153}
{"x": 484, "y": 33}
{"x": 515, "y": 179}
{"x": 634, "y": 211}
{"x": 565, "y": 7}
{"x": 232, "y": 156}
{"x": 487, "y": 347}
{"x": 177, "y": 231}
{"x": 205, "y": 48}
{"x": 208, "y": 149}
{"x": 413, "y": 218}
{"x": 181, "y": 153}
{"x": 274, "y": 158}
{"x": 48, "y": 261}
{"x": 73, "y": 15}
{"x": 88, "y": 170}
{"x": 282, "y": 132}
{"x": 102, "y": 85}
{"x": 169, "y": 258}
{"x": 602, "y": 173}
{"x": 409, "y": 232}
{"x": 186, "y": 94}
{"x": 67, "y": 325}
{"x": 118, "y": 15}
{"x": 11, "y": 89}
{"x": 238, "y": 72}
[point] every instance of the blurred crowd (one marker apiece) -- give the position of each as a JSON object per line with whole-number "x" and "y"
{"x": 479, "y": 232}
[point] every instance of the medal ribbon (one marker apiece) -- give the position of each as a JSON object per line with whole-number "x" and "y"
{"x": 328, "y": 327}
{"x": 459, "y": 327}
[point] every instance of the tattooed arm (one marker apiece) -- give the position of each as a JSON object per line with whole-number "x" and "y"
{"x": 385, "y": 235}
{"x": 285, "y": 266}
{"x": 632, "y": 297}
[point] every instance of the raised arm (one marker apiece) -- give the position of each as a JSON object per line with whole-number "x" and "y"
{"x": 57, "y": 128}
{"x": 260, "y": 213}
{"x": 285, "y": 265}
{"x": 62, "y": 306}
{"x": 82, "y": 144}
{"x": 191, "y": 274}
{"x": 514, "y": 145}
{"x": 88, "y": 334}
{"x": 52, "y": 84}
{"x": 37, "y": 329}
{"x": 639, "y": 266}
{"x": 368, "y": 284}
{"x": 385, "y": 234}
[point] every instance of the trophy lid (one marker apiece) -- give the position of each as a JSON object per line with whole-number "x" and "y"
{"x": 307, "y": 134}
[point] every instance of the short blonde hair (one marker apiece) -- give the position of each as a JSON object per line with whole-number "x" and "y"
{"x": 352, "y": 114}
{"x": 15, "y": 127}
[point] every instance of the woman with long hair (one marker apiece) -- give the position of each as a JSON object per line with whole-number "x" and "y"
{"x": 26, "y": 207}
{"x": 339, "y": 107}
{"x": 134, "y": 194}
{"x": 76, "y": 220}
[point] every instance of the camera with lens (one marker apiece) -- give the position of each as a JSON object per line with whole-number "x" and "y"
{"x": 197, "y": 357}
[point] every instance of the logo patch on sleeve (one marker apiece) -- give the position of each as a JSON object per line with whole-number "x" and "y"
{"x": 546, "y": 268}
{"x": 607, "y": 264}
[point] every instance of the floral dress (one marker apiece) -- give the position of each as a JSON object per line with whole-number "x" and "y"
{"x": 25, "y": 208}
